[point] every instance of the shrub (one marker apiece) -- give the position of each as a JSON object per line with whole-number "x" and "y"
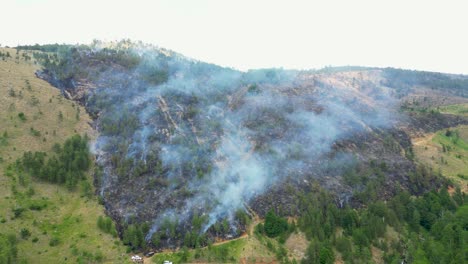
{"x": 25, "y": 233}
{"x": 274, "y": 225}
{"x": 17, "y": 211}
{"x": 54, "y": 241}
{"x": 22, "y": 116}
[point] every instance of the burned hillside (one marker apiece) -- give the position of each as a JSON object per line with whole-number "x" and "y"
{"x": 187, "y": 148}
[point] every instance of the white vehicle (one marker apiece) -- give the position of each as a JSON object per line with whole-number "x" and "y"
{"x": 137, "y": 259}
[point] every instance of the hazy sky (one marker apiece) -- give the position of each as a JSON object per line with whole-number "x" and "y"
{"x": 425, "y": 35}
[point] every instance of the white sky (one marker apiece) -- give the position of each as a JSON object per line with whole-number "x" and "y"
{"x": 413, "y": 34}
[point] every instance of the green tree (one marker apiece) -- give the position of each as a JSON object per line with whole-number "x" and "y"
{"x": 326, "y": 255}
{"x": 100, "y": 223}
{"x": 274, "y": 225}
{"x": 25, "y": 233}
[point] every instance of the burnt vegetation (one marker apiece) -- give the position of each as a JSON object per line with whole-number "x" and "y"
{"x": 187, "y": 148}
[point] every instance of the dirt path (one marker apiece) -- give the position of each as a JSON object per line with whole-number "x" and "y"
{"x": 249, "y": 232}
{"x": 421, "y": 141}
{"x": 243, "y": 236}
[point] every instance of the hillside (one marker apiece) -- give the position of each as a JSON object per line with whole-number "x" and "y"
{"x": 340, "y": 164}
{"x": 34, "y": 117}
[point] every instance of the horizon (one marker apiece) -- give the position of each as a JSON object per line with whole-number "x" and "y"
{"x": 421, "y": 35}
{"x": 254, "y": 69}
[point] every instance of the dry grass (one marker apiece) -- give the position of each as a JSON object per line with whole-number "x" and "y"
{"x": 254, "y": 251}
{"x": 297, "y": 246}
{"x": 41, "y": 104}
{"x": 377, "y": 255}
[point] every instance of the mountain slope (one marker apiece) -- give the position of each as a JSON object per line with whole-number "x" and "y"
{"x": 186, "y": 145}
{"x": 192, "y": 155}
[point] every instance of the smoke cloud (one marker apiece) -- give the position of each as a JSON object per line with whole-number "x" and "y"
{"x": 220, "y": 135}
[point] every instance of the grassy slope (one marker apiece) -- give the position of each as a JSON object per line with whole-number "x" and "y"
{"x": 68, "y": 216}
{"x": 453, "y": 163}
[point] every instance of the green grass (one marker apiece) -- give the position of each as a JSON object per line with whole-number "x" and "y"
{"x": 64, "y": 218}
{"x": 454, "y": 161}
{"x": 457, "y": 144}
